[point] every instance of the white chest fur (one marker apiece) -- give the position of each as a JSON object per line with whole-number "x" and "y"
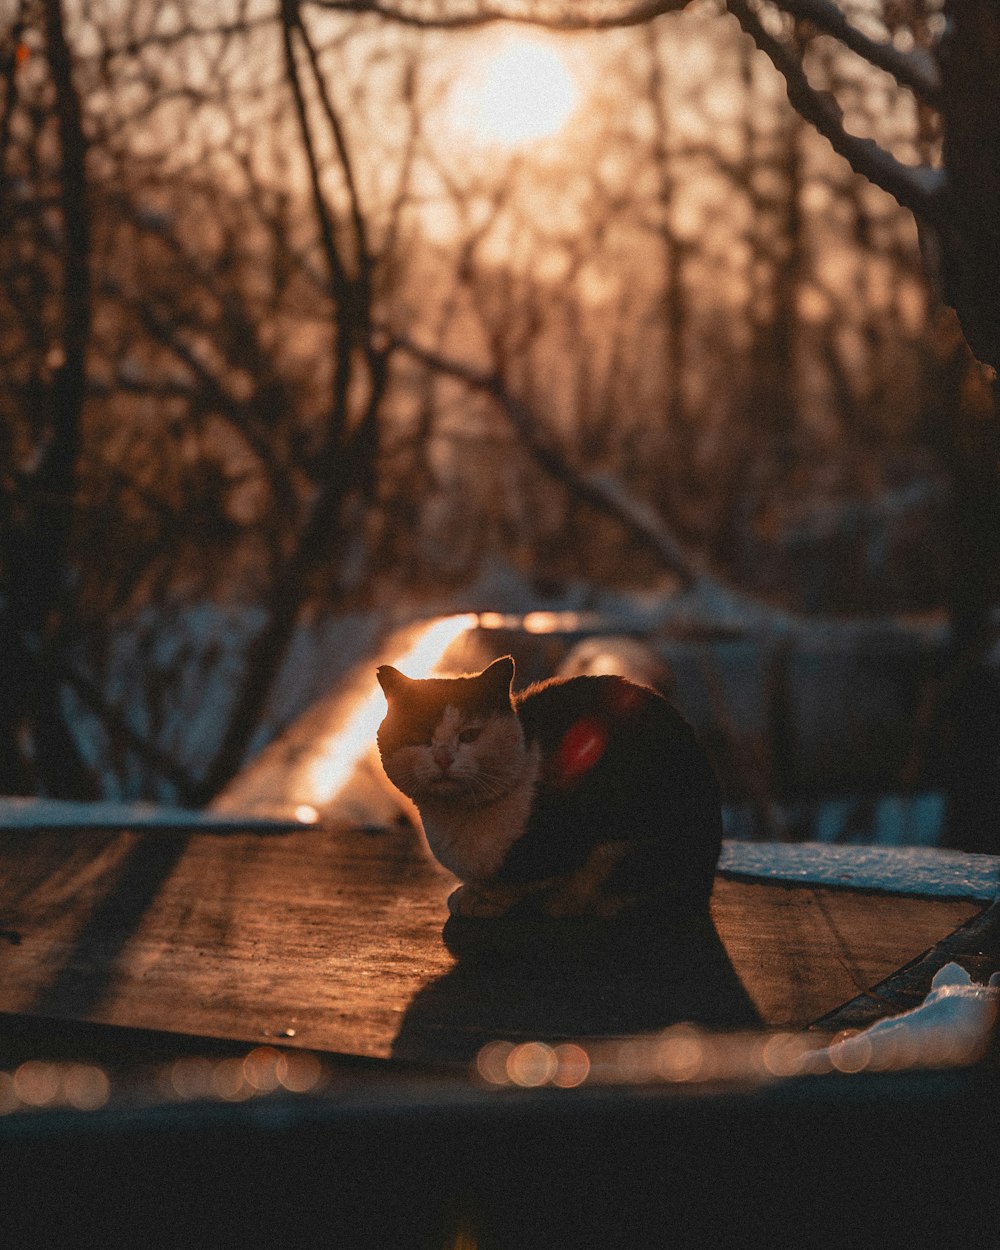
{"x": 472, "y": 842}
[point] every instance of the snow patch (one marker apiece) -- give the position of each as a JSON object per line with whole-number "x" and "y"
{"x": 893, "y": 870}
{"x": 952, "y": 1025}
{"x": 36, "y": 814}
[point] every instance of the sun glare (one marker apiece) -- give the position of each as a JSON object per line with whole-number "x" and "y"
{"x": 341, "y": 753}
{"x": 523, "y": 92}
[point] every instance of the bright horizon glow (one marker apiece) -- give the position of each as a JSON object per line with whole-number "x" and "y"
{"x": 525, "y": 92}
{"x": 343, "y": 750}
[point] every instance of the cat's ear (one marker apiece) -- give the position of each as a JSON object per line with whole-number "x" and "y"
{"x": 500, "y": 675}
{"x": 391, "y": 680}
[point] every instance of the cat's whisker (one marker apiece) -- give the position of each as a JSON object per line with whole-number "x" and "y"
{"x": 487, "y": 788}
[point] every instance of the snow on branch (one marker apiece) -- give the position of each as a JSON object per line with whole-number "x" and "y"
{"x": 553, "y": 14}
{"x": 916, "y": 70}
{"x": 602, "y": 493}
{"x": 916, "y": 187}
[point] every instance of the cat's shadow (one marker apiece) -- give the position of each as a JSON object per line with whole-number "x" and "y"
{"x": 550, "y": 980}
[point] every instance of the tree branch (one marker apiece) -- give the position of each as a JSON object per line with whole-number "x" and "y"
{"x": 340, "y": 281}
{"x": 557, "y": 15}
{"x": 970, "y": 236}
{"x": 916, "y": 70}
{"x": 599, "y": 492}
{"x": 343, "y": 155}
{"x": 116, "y": 722}
{"x": 917, "y": 188}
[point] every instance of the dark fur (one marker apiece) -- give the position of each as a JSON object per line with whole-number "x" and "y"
{"x": 620, "y": 770}
{"x": 652, "y": 787}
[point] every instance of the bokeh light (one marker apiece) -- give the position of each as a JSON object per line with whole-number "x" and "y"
{"x": 300, "y": 1072}
{"x": 680, "y": 1054}
{"x": 491, "y": 1062}
{"x": 42, "y": 1084}
{"x": 684, "y": 1054}
{"x": 531, "y": 1064}
{"x": 85, "y": 1086}
{"x": 191, "y": 1077}
{"x": 783, "y": 1054}
{"x": 36, "y": 1083}
{"x": 572, "y": 1066}
{"x": 260, "y": 1069}
{"x": 264, "y": 1070}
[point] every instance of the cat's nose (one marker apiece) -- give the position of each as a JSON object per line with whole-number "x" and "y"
{"x": 444, "y": 757}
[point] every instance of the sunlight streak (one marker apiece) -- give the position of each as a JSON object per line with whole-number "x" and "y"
{"x": 338, "y": 757}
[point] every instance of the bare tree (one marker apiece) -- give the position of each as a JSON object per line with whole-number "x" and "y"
{"x": 50, "y": 250}
{"x": 292, "y": 390}
{"x": 954, "y": 77}
{"x": 197, "y": 295}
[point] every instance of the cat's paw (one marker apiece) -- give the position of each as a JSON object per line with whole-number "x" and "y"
{"x": 471, "y": 903}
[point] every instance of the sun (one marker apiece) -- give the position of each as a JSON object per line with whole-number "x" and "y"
{"x": 521, "y": 91}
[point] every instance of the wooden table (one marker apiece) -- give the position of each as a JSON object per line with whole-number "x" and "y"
{"x": 131, "y": 948}
{"x": 331, "y": 938}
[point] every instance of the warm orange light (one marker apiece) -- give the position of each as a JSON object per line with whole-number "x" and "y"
{"x": 572, "y": 1066}
{"x": 491, "y": 1062}
{"x": 551, "y": 622}
{"x": 41, "y": 1083}
{"x": 36, "y": 1082}
{"x": 532, "y": 1064}
{"x": 680, "y": 1053}
{"x": 524, "y": 92}
{"x": 299, "y": 1072}
{"x": 260, "y": 1069}
{"x": 347, "y": 746}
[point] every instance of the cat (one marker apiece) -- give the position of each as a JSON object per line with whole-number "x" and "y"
{"x": 584, "y": 796}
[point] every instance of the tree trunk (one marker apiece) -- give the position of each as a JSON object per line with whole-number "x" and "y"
{"x": 38, "y": 522}
{"x": 969, "y": 58}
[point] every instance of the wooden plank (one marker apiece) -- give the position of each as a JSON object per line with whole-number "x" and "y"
{"x": 975, "y": 946}
{"x": 308, "y": 936}
{"x": 332, "y": 938}
{"x": 803, "y": 950}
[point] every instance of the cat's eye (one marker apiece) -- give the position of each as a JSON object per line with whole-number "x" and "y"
{"x": 470, "y": 734}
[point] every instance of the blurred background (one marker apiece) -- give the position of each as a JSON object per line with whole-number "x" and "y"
{"x": 316, "y": 320}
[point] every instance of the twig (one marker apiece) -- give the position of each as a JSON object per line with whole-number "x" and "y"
{"x": 916, "y": 70}
{"x": 583, "y": 15}
{"x": 94, "y": 699}
{"x": 604, "y": 496}
{"x": 914, "y": 187}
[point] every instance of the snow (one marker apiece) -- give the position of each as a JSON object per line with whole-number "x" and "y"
{"x": 951, "y": 1026}
{"x": 894, "y": 819}
{"x": 173, "y": 673}
{"x": 894, "y": 870}
{"x": 31, "y": 813}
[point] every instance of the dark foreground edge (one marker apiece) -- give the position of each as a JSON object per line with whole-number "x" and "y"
{"x": 395, "y": 1156}
{"x": 907, "y": 1159}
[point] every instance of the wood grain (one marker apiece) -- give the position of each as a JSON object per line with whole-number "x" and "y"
{"x": 802, "y": 950}
{"x": 332, "y": 938}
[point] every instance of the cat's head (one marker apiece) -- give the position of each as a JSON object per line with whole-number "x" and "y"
{"x": 452, "y": 739}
